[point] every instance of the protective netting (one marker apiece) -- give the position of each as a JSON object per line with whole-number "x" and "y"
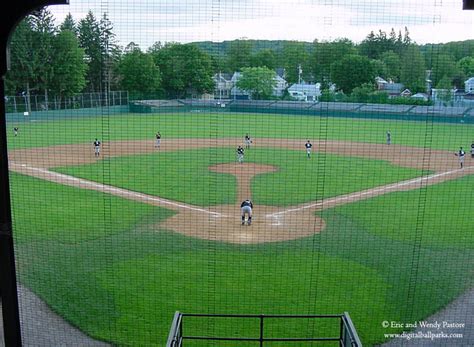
{"x": 137, "y": 131}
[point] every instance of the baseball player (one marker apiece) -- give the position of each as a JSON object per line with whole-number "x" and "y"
{"x": 246, "y": 209}
{"x": 97, "y": 147}
{"x": 15, "y": 131}
{"x": 240, "y": 154}
{"x": 308, "y": 147}
{"x": 461, "y": 154}
{"x": 248, "y": 141}
{"x": 158, "y": 140}
{"x": 389, "y": 137}
{"x": 472, "y": 149}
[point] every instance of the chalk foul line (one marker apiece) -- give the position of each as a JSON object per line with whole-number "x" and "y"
{"x": 137, "y": 196}
{"x": 356, "y": 196}
{"x": 105, "y": 188}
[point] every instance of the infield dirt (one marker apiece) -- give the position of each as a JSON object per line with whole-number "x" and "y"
{"x": 222, "y": 223}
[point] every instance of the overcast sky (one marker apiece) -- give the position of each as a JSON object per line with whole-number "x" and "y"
{"x": 147, "y": 21}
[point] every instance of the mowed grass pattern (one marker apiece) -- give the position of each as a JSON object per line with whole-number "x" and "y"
{"x": 99, "y": 261}
{"x": 204, "y": 125}
{"x": 184, "y": 175}
{"x": 124, "y": 285}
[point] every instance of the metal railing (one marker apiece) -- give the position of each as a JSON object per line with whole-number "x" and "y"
{"x": 347, "y": 334}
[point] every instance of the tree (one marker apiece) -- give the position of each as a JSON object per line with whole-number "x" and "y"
{"x": 69, "y": 68}
{"x": 379, "y": 68}
{"x": 392, "y": 64}
{"x": 185, "y": 69}
{"x": 23, "y": 58}
{"x": 131, "y": 47}
{"x": 44, "y": 30}
{"x": 466, "y": 65}
{"x": 90, "y": 40}
{"x": 443, "y": 65}
{"x": 295, "y": 61}
{"x": 445, "y": 86}
{"x": 413, "y": 70}
{"x": 352, "y": 71}
{"x": 362, "y": 92}
{"x": 239, "y": 55}
{"x": 258, "y": 81}
{"x": 264, "y": 57}
{"x": 69, "y": 24}
{"x": 138, "y": 74}
{"x": 110, "y": 53}
{"x": 325, "y": 54}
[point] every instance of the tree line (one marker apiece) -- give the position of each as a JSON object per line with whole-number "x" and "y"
{"x": 84, "y": 56}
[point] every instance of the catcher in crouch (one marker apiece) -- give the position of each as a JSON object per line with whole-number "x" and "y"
{"x": 246, "y": 208}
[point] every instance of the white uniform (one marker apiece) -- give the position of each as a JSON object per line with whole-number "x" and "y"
{"x": 246, "y": 209}
{"x": 248, "y": 141}
{"x": 308, "y": 149}
{"x": 240, "y": 154}
{"x": 461, "y": 155}
{"x": 97, "y": 147}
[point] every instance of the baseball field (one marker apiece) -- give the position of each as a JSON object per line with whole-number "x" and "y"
{"x": 117, "y": 244}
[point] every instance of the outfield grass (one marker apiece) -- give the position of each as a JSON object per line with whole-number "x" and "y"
{"x": 99, "y": 261}
{"x": 184, "y": 175}
{"x": 204, "y": 125}
{"x": 125, "y": 284}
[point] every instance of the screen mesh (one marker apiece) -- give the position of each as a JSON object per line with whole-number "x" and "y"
{"x": 137, "y": 131}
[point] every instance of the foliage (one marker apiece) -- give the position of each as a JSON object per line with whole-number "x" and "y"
{"x": 264, "y": 58}
{"x": 239, "y": 55}
{"x": 392, "y": 64}
{"x": 188, "y": 71}
{"x": 466, "y": 65}
{"x": 139, "y": 74}
{"x": 21, "y": 76}
{"x": 352, "y": 71}
{"x": 375, "y": 45}
{"x": 295, "y": 61}
{"x": 325, "y": 54}
{"x": 443, "y": 67}
{"x": 413, "y": 71}
{"x": 258, "y": 81}
{"x": 89, "y": 39}
{"x": 185, "y": 70}
{"x": 69, "y": 68}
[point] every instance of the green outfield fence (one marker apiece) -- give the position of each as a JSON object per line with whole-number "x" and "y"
{"x": 441, "y": 114}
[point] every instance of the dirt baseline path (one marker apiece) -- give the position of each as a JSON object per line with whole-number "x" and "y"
{"x": 222, "y": 223}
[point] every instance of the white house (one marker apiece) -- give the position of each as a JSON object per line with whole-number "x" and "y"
{"x": 391, "y": 88}
{"x": 469, "y": 86}
{"x": 305, "y": 91}
{"x": 420, "y": 96}
{"x": 280, "y": 86}
{"x": 237, "y": 93}
{"x": 223, "y": 83}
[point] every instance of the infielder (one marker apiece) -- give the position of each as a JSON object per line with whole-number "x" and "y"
{"x": 240, "y": 154}
{"x": 158, "y": 140}
{"x": 97, "y": 147}
{"x": 15, "y": 131}
{"x": 472, "y": 149}
{"x": 461, "y": 154}
{"x": 389, "y": 137}
{"x": 248, "y": 141}
{"x": 308, "y": 147}
{"x": 246, "y": 209}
